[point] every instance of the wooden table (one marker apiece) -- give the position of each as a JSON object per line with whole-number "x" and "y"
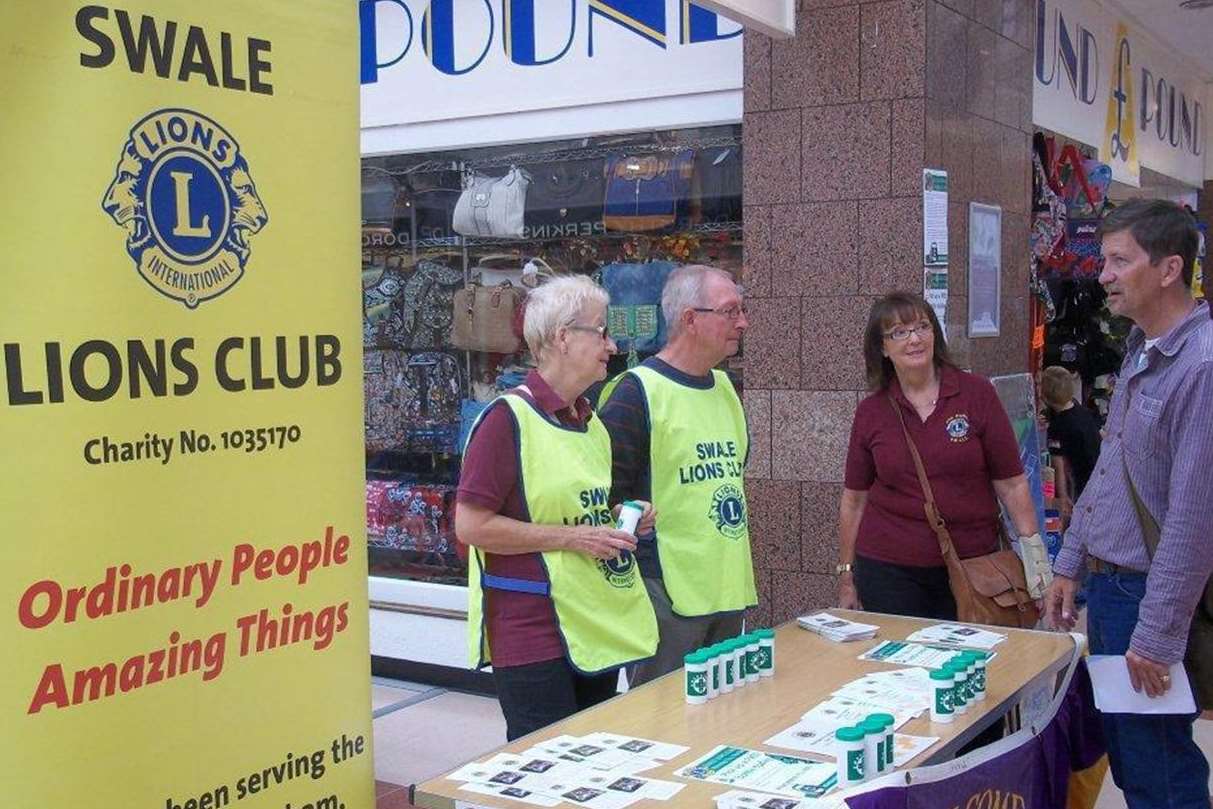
{"x": 807, "y": 669}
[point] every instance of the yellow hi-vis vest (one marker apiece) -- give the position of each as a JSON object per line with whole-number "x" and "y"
{"x": 697, "y": 452}
{"x": 602, "y": 609}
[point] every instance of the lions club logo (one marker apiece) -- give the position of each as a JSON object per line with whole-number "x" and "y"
{"x": 186, "y": 198}
{"x": 728, "y": 511}
{"x": 620, "y": 572}
{"x": 958, "y": 428}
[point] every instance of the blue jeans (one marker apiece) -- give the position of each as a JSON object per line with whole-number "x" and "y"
{"x": 1154, "y": 759}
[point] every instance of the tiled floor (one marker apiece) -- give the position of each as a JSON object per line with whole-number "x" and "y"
{"x": 422, "y": 732}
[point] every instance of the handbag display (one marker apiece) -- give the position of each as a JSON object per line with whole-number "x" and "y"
{"x": 989, "y": 589}
{"x": 412, "y": 401}
{"x": 484, "y": 318}
{"x": 634, "y": 316}
{"x": 409, "y": 309}
{"x": 1198, "y": 659}
{"x": 643, "y": 192}
{"x": 493, "y": 206}
{"x": 566, "y": 193}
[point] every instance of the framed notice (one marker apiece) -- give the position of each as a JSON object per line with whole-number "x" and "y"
{"x": 934, "y": 218}
{"x": 985, "y": 269}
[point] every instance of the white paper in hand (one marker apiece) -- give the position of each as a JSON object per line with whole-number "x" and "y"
{"x": 1114, "y": 691}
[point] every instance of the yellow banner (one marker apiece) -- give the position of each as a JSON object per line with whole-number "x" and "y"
{"x": 183, "y": 567}
{"x": 1119, "y": 147}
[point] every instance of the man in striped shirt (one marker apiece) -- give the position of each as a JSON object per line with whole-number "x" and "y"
{"x": 1159, "y": 453}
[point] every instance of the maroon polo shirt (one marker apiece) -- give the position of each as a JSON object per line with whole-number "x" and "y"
{"x": 521, "y": 627}
{"x": 966, "y": 443}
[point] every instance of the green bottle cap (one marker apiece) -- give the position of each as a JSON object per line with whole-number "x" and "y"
{"x": 957, "y": 666}
{"x": 885, "y": 719}
{"x": 849, "y": 734}
{"x": 942, "y": 674}
{"x": 872, "y": 727}
{"x": 695, "y": 658}
{"x": 765, "y": 633}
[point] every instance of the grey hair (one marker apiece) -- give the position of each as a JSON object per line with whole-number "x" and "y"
{"x": 684, "y": 289}
{"x": 557, "y": 303}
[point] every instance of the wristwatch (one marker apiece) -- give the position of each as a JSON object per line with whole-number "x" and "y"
{"x": 843, "y": 567}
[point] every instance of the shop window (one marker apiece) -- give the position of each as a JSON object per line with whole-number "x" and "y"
{"x": 443, "y": 232}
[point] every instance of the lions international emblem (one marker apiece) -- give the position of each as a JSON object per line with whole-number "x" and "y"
{"x": 728, "y": 511}
{"x": 184, "y": 194}
{"x": 958, "y": 428}
{"x": 619, "y": 572}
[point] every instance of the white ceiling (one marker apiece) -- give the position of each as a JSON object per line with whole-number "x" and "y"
{"x": 1188, "y": 30}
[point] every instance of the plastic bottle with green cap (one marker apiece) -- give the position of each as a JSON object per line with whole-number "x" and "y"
{"x": 696, "y": 666}
{"x": 766, "y": 652}
{"x": 728, "y": 666}
{"x": 941, "y": 705}
{"x": 713, "y": 655}
{"x": 719, "y": 652}
{"x": 873, "y": 747}
{"x": 851, "y": 765}
{"x": 737, "y": 648}
{"x": 887, "y": 721}
{"x": 752, "y": 673}
{"x": 979, "y": 659}
{"x": 960, "y": 684}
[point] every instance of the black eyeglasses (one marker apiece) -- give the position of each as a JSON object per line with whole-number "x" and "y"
{"x": 732, "y": 312}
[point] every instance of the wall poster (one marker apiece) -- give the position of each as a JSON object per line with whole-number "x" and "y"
{"x": 183, "y": 574}
{"x": 985, "y": 269}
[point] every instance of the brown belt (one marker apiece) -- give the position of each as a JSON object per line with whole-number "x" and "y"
{"x": 1100, "y": 566}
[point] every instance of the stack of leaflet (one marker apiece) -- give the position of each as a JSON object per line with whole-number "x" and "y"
{"x": 599, "y": 771}
{"x": 836, "y": 629}
{"x": 903, "y": 693}
{"x": 969, "y": 637}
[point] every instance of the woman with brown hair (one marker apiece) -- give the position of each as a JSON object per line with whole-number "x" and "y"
{"x": 889, "y": 557}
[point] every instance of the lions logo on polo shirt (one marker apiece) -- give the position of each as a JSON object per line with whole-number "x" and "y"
{"x": 958, "y": 428}
{"x": 186, "y": 198}
{"x": 619, "y": 572}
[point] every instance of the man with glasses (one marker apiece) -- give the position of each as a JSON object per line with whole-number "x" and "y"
{"x": 679, "y": 440}
{"x": 1141, "y": 527}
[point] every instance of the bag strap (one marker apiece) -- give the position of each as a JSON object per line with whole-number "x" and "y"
{"x": 932, "y": 510}
{"x": 1150, "y": 532}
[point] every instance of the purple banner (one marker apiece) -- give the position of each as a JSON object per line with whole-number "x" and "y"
{"x": 1033, "y": 774}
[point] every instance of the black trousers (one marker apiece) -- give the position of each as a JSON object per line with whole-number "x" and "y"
{"x": 916, "y": 592}
{"x": 537, "y": 694}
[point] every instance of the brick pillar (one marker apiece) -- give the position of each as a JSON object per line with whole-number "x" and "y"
{"x": 839, "y": 123}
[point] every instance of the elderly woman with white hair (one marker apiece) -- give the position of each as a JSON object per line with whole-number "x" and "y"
{"x": 555, "y": 600}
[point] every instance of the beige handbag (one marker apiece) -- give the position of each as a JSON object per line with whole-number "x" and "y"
{"x": 484, "y": 318}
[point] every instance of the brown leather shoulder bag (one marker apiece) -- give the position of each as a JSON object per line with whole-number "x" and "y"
{"x": 989, "y": 589}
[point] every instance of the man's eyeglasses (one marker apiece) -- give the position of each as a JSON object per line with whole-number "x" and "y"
{"x": 732, "y": 312}
{"x": 902, "y": 333}
{"x": 601, "y": 331}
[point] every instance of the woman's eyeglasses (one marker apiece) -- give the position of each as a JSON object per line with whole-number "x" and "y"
{"x": 902, "y": 333}
{"x": 601, "y": 331}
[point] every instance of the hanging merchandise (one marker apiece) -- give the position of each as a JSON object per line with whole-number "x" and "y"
{"x": 484, "y": 318}
{"x": 502, "y": 268}
{"x": 563, "y": 194}
{"x": 634, "y": 317}
{"x": 493, "y": 206}
{"x": 718, "y": 177}
{"x": 405, "y": 515}
{"x": 412, "y": 401}
{"x": 643, "y": 192}
{"x": 430, "y": 199}
{"x": 421, "y": 313}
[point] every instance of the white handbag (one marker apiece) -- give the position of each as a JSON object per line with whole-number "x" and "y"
{"x": 493, "y": 206}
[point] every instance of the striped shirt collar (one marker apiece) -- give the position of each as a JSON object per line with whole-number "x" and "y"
{"x": 1170, "y": 343}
